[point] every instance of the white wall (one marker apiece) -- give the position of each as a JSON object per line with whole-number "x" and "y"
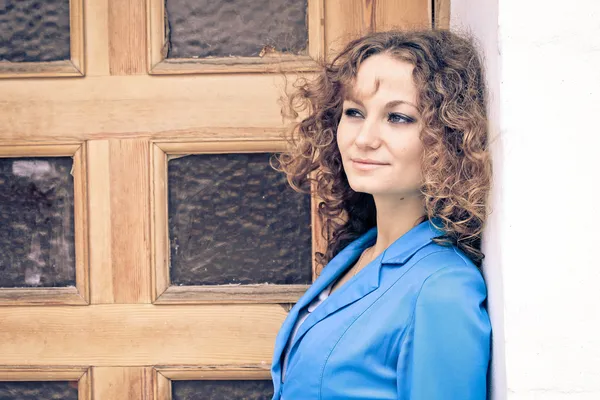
{"x": 480, "y": 19}
{"x": 543, "y": 240}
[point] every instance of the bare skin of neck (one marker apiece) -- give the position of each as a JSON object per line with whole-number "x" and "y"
{"x": 396, "y": 215}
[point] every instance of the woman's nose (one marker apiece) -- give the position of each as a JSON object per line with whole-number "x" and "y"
{"x": 369, "y": 135}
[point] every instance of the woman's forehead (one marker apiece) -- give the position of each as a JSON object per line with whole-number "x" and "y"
{"x": 382, "y": 71}
{"x": 362, "y": 90}
{"x": 390, "y": 89}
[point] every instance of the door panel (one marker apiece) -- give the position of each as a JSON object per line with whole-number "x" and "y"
{"x": 37, "y": 234}
{"x": 119, "y": 226}
{"x": 35, "y": 31}
{"x": 243, "y": 28}
{"x": 128, "y": 297}
{"x": 49, "y": 382}
{"x": 233, "y": 219}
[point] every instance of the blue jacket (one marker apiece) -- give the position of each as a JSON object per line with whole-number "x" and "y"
{"x": 410, "y": 325}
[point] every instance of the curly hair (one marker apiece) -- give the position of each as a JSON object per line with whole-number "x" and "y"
{"x": 456, "y": 166}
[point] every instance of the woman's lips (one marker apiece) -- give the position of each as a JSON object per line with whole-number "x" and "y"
{"x": 367, "y": 165}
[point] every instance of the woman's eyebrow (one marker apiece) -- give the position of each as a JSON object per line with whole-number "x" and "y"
{"x": 389, "y": 104}
{"x": 395, "y": 103}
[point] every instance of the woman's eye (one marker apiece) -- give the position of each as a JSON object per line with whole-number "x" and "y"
{"x": 353, "y": 113}
{"x": 396, "y": 118}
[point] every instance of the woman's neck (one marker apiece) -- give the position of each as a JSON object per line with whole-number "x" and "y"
{"x": 395, "y": 216}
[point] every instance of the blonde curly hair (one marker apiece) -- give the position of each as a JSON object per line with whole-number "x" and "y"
{"x": 456, "y": 163}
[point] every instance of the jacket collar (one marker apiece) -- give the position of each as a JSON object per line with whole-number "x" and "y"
{"x": 398, "y": 253}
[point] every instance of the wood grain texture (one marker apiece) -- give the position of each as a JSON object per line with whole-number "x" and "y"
{"x": 162, "y": 386}
{"x": 139, "y": 335}
{"x": 127, "y": 36}
{"x": 231, "y": 294}
{"x": 223, "y": 146}
{"x": 123, "y": 383}
{"x": 203, "y": 139}
{"x": 41, "y": 296}
{"x": 193, "y": 135}
{"x": 216, "y": 372}
{"x": 48, "y": 150}
{"x": 137, "y": 105}
{"x": 77, "y": 35}
{"x": 441, "y": 14}
{"x": 159, "y": 223}
{"x": 96, "y": 37}
{"x": 369, "y": 16}
{"x": 316, "y": 29}
{"x": 52, "y": 373}
{"x": 99, "y": 191}
{"x": 39, "y": 69}
{"x": 156, "y": 39}
{"x": 119, "y": 221}
{"x": 231, "y": 65}
{"x": 84, "y": 386}
{"x": 130, "y": 220}
{"x": 82, "y": 266}
{"x": 47, "y": 373}
{"x": 345, "y": 20}
{"x": 401, "y": 14}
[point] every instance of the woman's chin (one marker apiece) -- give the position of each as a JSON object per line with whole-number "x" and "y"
{"x": 364, "y": 187}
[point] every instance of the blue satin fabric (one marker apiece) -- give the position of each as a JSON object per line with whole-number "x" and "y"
{"x": 410, "y": 325}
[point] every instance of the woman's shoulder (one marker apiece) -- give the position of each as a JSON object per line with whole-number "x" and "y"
{"x": 450, "y": 276}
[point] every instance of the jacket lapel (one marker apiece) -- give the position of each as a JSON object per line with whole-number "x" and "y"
{"x": 358, "y": 287}
{"x": 366, "y": 282}
{"x": 333, "y": 270}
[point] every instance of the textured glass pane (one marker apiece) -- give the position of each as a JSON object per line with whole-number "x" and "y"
{"x": 233, "y": 219}
{"x": 219, "y": 390}
{"x": 222, "y": 28}
{"x": 36, "y": 222}
{"x": 34, "y": 30}
{"x": 62, "y": 390}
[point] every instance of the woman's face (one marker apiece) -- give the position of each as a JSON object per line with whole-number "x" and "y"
{"x": 378, "y": 134}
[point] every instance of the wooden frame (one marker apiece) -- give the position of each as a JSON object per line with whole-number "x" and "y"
{"x": 441, "y": 14}
{"x": 82, "y": 375}
{"x": 102, "y": 334}
{"x": 73, "y": 67}
{"x": 162, "y": 291}
{"x": 159, "y": 64}
{"x": 78, "y": 295}
{"x": 162, "y": 376}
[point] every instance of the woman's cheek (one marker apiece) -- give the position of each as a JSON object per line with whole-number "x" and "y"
{"x": 344, "y": 139}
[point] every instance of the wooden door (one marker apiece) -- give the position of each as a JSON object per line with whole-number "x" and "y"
{"x": 147, "y": 250}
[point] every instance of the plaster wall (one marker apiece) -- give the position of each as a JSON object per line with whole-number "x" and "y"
{"x": 542, "y": 268}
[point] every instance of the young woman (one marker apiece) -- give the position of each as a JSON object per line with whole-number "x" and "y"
{"x": 395, "y": 144}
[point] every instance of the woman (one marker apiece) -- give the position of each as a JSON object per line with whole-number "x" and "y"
{"x": 395, "y": 141}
